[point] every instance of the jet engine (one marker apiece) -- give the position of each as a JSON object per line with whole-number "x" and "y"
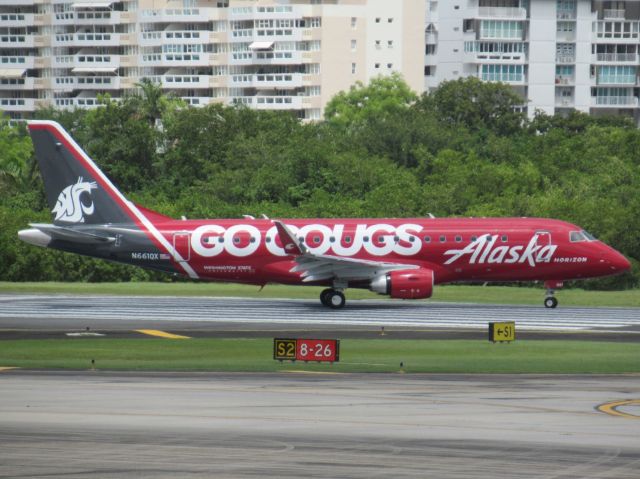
{"x": 407, "y": 284}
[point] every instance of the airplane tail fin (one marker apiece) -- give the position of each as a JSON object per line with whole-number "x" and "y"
{"x": 77, "y": 191}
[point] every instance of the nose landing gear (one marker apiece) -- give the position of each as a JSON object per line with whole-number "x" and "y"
{"x": 550, "y": 301}
{"x": 332, "y": 298}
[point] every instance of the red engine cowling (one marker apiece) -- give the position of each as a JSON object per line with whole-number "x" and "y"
{"x": 408, "y": 284}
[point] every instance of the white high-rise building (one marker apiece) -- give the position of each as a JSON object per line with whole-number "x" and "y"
{"x": 267, "y": 54}
{"x": 559, "y": 55}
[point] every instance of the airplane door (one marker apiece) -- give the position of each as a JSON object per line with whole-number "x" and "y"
{"x": 543, "y": 238}
{"x": 182, "y": 244}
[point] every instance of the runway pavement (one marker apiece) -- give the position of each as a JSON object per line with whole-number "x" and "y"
{"x": 119, "y": 425}
{"x": 113, "y": 313}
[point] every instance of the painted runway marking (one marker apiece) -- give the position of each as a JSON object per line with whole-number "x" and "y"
{"x": 309, "y": 312}
{"x": 161, "y": 334}
{"x": 612, "y": 408}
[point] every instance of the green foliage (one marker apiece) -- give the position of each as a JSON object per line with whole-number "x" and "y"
{"x": 461, "y": 150}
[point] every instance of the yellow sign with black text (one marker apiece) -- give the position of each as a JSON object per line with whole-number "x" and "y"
{"x": 502, "y": 331}
{"x": 284, "y": 349}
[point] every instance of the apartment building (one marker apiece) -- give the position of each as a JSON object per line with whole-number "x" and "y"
{"x": 266, "y": 54}
{"x": 558, "y": 54}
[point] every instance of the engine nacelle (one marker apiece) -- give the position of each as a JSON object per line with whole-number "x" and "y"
{"x": 408, "y": 284}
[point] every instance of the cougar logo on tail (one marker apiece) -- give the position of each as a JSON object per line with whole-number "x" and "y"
{"x": 69, "y": 207}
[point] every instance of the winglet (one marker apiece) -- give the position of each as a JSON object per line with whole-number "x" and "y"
{"x": 288, "y": 240}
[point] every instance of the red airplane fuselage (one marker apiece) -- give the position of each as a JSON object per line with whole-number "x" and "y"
{"x": 508, "y": 249}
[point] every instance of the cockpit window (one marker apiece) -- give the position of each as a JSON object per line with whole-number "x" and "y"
{"x": 578, "y": 236}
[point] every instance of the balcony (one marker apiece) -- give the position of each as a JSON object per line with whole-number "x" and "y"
{"x": 613, "y": 14}
{"x": 198, "y": 100}
{"x": 564, "y": 80}
{"x": 278, "y": 58}
{"x": 96, "y": 39}
{"x": 615, "y": 101}
{"x": 172, "y": 15}
{"x": 175, "y": 37}
{"x": 87, "y": 83}
{"x": 616, "y": 31}
{"x": 628, "y": 80}
{"x": 509, "y": 13}
{"x": 269, "y": 102}
{"x": 24, "y": 83}
{"x": 16, "y": 62}
{"x": 103, "y": 17}
{"x": 615, "y": 58}
{"x": 565, "y": 59}
{"x": 282, "y": 81}
{"x": 566, "y": 15}
{"x": 182, "y": 81}
{"x": 175, "y": 59}
{"x": 16, "y": 19}
{"x": 17, "y": 104}
{"x": 564, "y": 102}
{"x": 16, "y": 41}
{"x": 85, "y": 102}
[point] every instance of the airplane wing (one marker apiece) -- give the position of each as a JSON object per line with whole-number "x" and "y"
{"x": 71, "y": 234}
{"x": 316, "y": 267}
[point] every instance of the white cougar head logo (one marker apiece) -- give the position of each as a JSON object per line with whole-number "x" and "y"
{"x": 69, "y": 207}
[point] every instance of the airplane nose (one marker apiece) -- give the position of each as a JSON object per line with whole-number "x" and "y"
{"x": 618, "y": 262}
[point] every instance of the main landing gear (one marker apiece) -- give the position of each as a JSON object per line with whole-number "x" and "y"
{"x": 332, "y": 298}
{"x": 550, "y": 301}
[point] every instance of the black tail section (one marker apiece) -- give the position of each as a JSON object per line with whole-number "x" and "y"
{"x": 77, "y": 191}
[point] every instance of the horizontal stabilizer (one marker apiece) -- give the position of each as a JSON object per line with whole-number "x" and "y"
{"x": 72, "y": 234}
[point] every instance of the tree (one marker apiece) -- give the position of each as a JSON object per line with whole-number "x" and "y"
{"x": 476, "y": 105}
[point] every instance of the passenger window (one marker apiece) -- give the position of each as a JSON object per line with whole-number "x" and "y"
{"x": 316, "y": 239}
{"x": 365, "y": 239}
{"x": 474, "y": 238}
{"x": 347, "y": 239}
{"x": 458, "y": 239}
{"x": 427, "y": 239}
{"x": 505, "y": 238}
{"x": 443, "y": 239}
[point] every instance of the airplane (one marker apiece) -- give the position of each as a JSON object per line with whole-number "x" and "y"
{"x": 401, "y": 258}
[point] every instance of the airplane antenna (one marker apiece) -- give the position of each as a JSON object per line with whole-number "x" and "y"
{"x": 183, "y": 218}
{"x": 264, "y": 217}
{"x": 431, "y": 216}
{"x": 248, "y": 217}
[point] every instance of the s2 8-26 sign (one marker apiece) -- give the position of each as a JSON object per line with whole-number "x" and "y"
{"x": 320, "y": 350}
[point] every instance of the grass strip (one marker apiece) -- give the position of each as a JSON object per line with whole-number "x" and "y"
{"x": 462, "y": 294}
{"x": 379, "y": 355}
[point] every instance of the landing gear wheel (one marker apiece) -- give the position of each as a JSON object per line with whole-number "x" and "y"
{"x": 324, "y": 296}
{"x": 336, "y": 299}
{"x": 550, "y": 302}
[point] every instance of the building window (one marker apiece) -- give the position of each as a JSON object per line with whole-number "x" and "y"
{"x": 353, "y": 45}
{"x": 377, "y": 65}
{"x": 390, "y": 44}
{"x": 377, "y": 19}
{"x": 389, "y": 65}
{"x": 507, "y": 29}
{"x": 430, "y": 50}
{"x": 502, "y": 73}
{"x": 390, "y": 20}
{"x": 354, "y": 22}
{"x": 429, "y": 71}
{"x": 353, "y": 68}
